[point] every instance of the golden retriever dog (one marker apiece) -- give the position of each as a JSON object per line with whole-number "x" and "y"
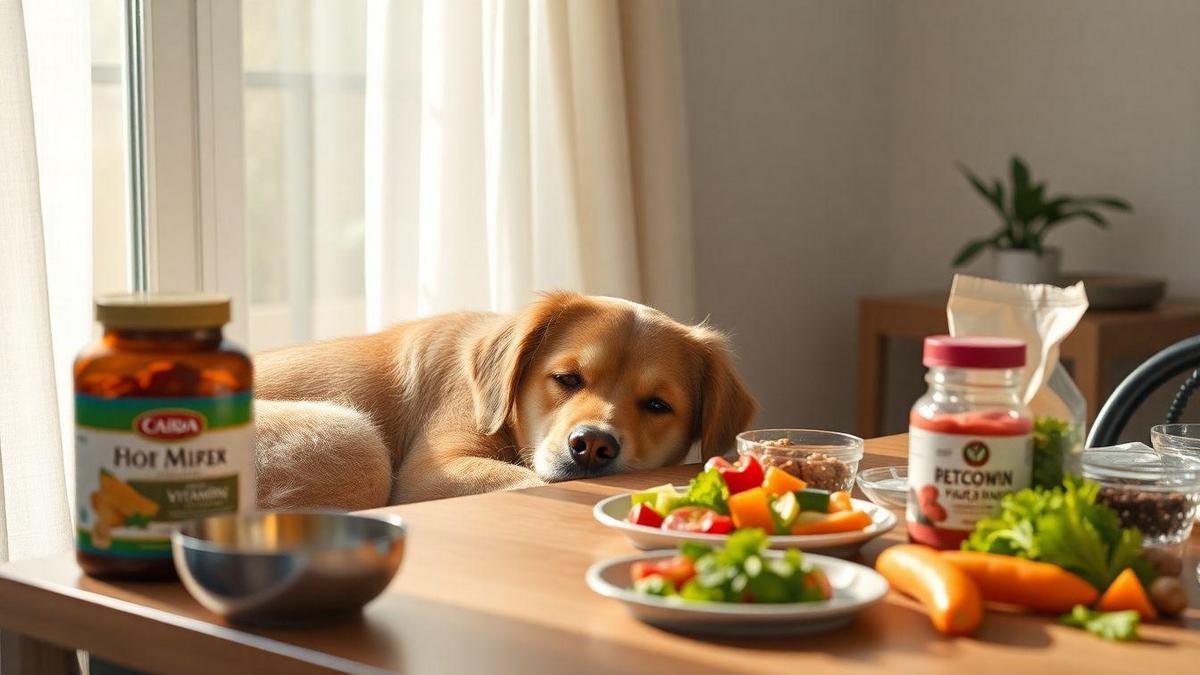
{"x": 572, "y": 386}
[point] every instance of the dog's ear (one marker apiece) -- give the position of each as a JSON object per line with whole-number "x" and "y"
{"x": 500, "y": 358}
{"x": 726, "y": 407}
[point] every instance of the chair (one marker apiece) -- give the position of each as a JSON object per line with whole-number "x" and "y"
{"x": 1143, "y": 381}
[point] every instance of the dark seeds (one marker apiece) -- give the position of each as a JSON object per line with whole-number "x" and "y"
{"x": 1159, "y": 515}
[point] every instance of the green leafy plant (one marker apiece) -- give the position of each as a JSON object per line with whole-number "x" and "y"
{"x": 1027, "y": 213}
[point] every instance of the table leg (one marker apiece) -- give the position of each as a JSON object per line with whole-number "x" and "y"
{"x": 21, "y": 655}
{"x": 871, "y": 354}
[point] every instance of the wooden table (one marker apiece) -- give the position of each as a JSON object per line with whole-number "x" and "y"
{"x": 494, "y": 583}
{"x": 1101, "y": 339}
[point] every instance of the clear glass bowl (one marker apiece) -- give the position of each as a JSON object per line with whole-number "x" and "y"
{"x": 887, "y": 486}
{"x": 826, "y": 460}
{"x": 1156, "y": 492}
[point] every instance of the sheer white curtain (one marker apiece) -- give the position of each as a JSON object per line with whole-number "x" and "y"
{"x": 45, "y": 264}
{"x": 546, "y": 149}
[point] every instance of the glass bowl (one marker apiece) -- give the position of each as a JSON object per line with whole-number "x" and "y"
{"x": 825, "y": 460}
{"x": 1156, "y": 492}
{"x": 887, "y": 486}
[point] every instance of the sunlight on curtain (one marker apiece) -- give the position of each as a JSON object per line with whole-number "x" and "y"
{"x": 45, "y": 262}
{"x": 505, "y": 147}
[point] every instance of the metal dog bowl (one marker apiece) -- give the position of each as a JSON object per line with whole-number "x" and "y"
{"x": 287, "y": 567}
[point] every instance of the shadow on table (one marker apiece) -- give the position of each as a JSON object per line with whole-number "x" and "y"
{"x": 891, "y": 628}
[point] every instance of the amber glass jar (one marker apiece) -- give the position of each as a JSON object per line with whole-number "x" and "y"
{"x": 164, "y": 430}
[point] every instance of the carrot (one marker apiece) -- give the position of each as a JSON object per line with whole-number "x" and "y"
{"x": 840, "y": 501}
{"x": 841, "y": 521}
{"x": 1126, "y": 592}
{"x": 1039, "y": 586}
{"x": 950, "y": 597}
{"x": 751, "y": 508}
{"x": 778, "y": 482}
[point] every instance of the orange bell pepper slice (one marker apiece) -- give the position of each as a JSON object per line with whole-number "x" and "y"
{"x": 751, "y": 508}
{"x": 779, "y": 482}
{"x": 840, "y": 501}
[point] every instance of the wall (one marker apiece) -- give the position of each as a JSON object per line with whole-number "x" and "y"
{"x": 824, "y": 141}
{"x": 786, "y": 127}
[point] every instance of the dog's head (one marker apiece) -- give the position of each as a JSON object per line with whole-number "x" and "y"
{"x": 591, "y": 386}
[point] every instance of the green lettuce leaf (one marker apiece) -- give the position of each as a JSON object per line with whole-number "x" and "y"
{"x": 707, "y": 489}
{"x": 1108, "y": 625}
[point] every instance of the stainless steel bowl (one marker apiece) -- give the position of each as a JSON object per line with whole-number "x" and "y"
{"x": 287, "y": 567}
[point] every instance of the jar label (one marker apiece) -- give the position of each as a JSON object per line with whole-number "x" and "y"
{"x": 143, "y": 464}
{"x": 955, "y": 480}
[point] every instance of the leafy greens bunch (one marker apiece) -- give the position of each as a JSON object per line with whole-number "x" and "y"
{"x": 1066, "y": 527}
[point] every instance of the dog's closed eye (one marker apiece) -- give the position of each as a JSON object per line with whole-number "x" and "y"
{"x": 570, "y": 381}
{"x": 656, "y": 406}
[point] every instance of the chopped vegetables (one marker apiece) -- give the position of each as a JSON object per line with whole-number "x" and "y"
{"x": 1064, "y": 526}
{"x": 742, "y": 475}
{"x": 1127, "y": 593}
{"x": 644, "y": 514}
{"x": 948, "y": 594}
{"x": 708, "y": 490}
{"x": 814, "y": 500}
{"x": 697, "y": 519}
{"x": 779, "y": 504}
{"x": 779, "y": 482}
{"x": 840, "y": 501}
{"x": 677, "y": 570}
{"x": 751, "y": 508}
{"x": 740, "y": 572}
{"x": 1108, "y": 625}
{"x": 841, "y": 521}
{"x": 1026, "y": 583}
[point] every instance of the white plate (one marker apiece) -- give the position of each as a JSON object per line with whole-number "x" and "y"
{"x": 612, "y": 511}
{"x": 855, "y": 587}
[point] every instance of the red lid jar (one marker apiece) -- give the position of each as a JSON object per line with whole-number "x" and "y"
{"x": 970, "y": 437}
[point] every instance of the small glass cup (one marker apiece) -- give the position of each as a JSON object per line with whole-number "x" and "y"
{"x": 1183, "y": 439}
{"x": 826, "y": 460}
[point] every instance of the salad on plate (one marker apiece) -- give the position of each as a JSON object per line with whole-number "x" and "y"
{"x": 728, "y": 497}
{"x": 737, "y": 573}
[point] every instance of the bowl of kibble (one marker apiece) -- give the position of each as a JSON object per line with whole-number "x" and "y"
{"x": 1157, "y": 492}
{"x": 825, "y": 460}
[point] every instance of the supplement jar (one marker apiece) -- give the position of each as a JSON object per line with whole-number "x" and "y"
{"x": 164, "y": 430}
{"x": 970, "y": 437}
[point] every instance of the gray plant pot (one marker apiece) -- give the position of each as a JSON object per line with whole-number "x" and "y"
{"x": 1023, "y": 266}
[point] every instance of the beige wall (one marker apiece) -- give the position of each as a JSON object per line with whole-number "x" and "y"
{"x": 787, "y": 129}
{"x": 824, "y": 138}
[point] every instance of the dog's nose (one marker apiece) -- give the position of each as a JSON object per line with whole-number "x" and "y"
{"x": 592, "y": 447}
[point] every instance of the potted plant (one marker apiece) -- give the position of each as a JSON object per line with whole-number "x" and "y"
{"x": 1027, "y": 214}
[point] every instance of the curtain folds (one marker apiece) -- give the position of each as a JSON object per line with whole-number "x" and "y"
{"x": 45, "y": 268}
{"x": 532, "y": 158}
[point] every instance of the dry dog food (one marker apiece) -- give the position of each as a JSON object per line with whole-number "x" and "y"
{"x": 818, "y": 470}
{"x": 163, "y": 430}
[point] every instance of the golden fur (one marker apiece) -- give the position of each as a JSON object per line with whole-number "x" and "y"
{"x": 467, "y": 403}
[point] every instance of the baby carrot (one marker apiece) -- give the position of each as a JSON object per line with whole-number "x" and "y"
{"x": 1126, "y": 592}
{"x": 950, "y": 597}
{"x": 1039, "y": 586}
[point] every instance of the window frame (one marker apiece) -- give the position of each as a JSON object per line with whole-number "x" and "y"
{"x": 186, "y": 166}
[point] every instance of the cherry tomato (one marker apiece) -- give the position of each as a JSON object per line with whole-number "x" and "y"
{"x": 644, "y": 514}
{"x": 744, "y": 474}
{"x": 677, "y": 570}
{"x": 699, "y": 520}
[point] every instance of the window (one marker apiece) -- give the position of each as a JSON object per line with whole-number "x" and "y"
{"x": 111, "y": 260}
{"x": 304, "y": 104}
{"x": 257, "y": 187}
